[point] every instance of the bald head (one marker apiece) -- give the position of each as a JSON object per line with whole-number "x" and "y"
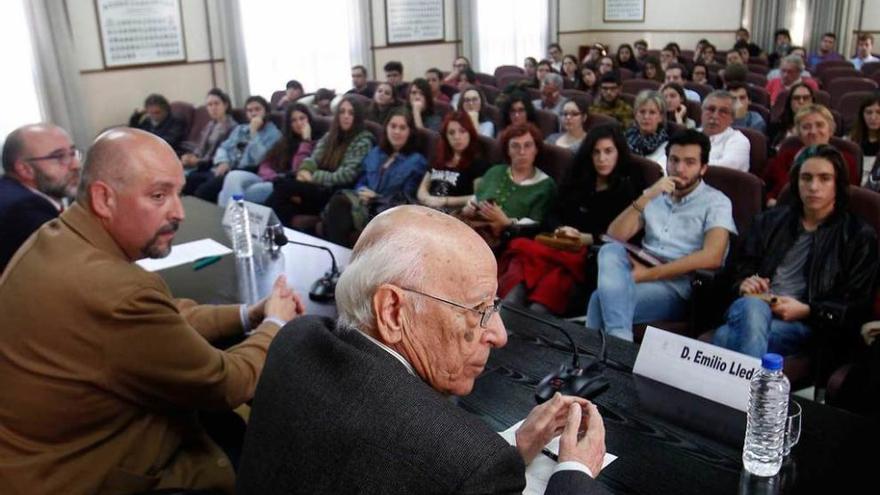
{"x": 432, "y": 229}
{"x": 120, "y": 155}
{"x": 22, "y": 142}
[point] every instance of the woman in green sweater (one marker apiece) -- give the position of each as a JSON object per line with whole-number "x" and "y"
{"x": 335, "y": 164}
{"x": 511, "y": 200}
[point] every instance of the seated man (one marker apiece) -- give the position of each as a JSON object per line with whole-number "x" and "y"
{"x": 41, "y": 168}
{"x": 359, "y": 82}
{"x": 730, "y": 148}
{"x": 551, "y": 98}
{"x": 675, "y": 73}
{"x": 743, "y": 117}
{"x": 393, "y": 73}
{"x": 361, "y": 405}
{"x": 800, "y": 257}
{"x": 292, "y": 92}
{"x": 100, "y": 387}
{"x": 791, "y": 70}
{"x": 864, "y": 51}
{"x": 826, "y": 51}
{"x": 156, "y": 118}
{"x": 687, "y": 225}
{"x": 610, "y": 103}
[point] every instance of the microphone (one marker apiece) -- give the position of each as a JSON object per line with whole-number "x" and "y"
{"x": 324, "y": 289}
{"x": 586, "y": 381}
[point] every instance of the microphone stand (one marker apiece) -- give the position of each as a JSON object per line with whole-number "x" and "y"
{"x": 324, "y": 289}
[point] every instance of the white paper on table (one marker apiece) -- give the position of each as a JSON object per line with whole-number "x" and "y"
{"x": 539, "y": 471}
{"x": 182, "y": 254}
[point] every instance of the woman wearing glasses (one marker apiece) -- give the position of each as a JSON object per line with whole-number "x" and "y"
{"x": 574, "y": 116}
{"x": 473, "y": 102}
{"x": 799, "y": 96}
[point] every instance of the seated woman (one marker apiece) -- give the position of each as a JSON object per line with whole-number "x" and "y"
{"x": 517, "y": 108}
{"x": 570, "y": 72}
{"x": 215, "y": 131}
{"x": 244, "y": 149}
{"x": 435, "y": 80}
{"x": 574, "y": 116}
{"x": 676, "y": 110}
{"x": 652, "y": 69}
{"x": 420, "y": 103}
{"x": 384, "y": 101}
{"x": 512, "y": 200}
{"x": 647, "y": 135}
{"x": 602, "y": 182}
{"x": 392, "y": 173}
{"x": 335, "y": 164}
{"x": 473, "y": 102}
{"x": 284, "y": 158}
{"x": 458, "y": 164}
{"x": 799, "y": 96}
{"x": 815, "y": 125}
{"x": 626, "y": 59}
{"x": 589, "y": 81}
{"x": 866, "y": 132}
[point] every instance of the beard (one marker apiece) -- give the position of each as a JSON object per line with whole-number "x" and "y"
{"x": 55, "y": 188}
{"x": 682, "y": 185}
{"x": 153, "y": 249}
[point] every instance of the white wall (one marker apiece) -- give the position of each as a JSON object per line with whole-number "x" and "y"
{"x": 416, "y": 58}
{"x": 684, "y": 21}
{"x": 112, "y": 94}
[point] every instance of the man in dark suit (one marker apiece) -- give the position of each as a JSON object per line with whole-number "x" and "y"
{"x": 361, "y": 405}
{"x": 41, "y": 167}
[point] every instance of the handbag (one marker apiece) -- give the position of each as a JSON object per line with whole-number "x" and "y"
{"x": 561, "y": 243}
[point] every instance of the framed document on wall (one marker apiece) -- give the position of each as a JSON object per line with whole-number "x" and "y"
{"x": 140, "y": 32}
{"x": 624, "y": 11}
{"x": 414, "y": 21}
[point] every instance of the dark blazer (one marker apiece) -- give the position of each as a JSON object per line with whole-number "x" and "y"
{"x": 21, "y": 213}
{"x": 335, "y": 413}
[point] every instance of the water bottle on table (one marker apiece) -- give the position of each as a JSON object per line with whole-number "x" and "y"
{"x": 242, "y": 243}
{"x": 767, "y": 413}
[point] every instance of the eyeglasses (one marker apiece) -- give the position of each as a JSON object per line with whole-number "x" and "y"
{"x": 801, "y": 97}
{"x": 718, "y": 110}
{"x": 64, "y": 158}
{"x": 485, "y": 314}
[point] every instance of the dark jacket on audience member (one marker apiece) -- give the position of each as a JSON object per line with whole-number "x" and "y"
{"x": 335, "y": 413}
{"x": 22, "y": 211}
{"x": 171, "y": 129}
{"x": 840, "y": 271}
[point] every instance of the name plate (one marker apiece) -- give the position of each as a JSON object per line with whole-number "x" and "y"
{"x": 259, "y": 217}
{"x": 711, "y": 372}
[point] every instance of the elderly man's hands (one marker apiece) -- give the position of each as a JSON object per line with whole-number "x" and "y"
{"x": 543, "y": 423}
{"x": 583, "y": 439}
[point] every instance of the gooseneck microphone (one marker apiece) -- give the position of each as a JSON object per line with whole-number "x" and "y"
{"x": 324, "y": 289}
{"x": 586, "y": 381}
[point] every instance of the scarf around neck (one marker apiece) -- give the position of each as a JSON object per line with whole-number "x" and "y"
{"x": 643, "y": 145}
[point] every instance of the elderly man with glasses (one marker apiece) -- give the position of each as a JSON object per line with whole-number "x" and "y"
{"x": 41, "y": 170}
{"x": 361, "y": 404}
{"x": 730, "y": 147}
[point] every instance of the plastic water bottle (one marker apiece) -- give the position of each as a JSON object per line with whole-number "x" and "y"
{"x": 241, "y": 229}
{"x": 765, "y": 427}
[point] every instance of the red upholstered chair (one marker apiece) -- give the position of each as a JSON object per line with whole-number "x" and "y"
{"x": 441, "y": 108}
{"x": 494, "y": 114}
{"x": 870, "y": 68}
{"x": 763, "y": 111}
{"x": 830, "y": 75}
{"x": 594, "y": 120}
{"x": 492, "y": 150}
{"x": 491, "y": 93}
{"x": 694, "y": 111}
{"x": 651, "y": 170}
{"x": 759, "y": 80}
{"x": 547, "y": 122}
{"x": 448, "y": 90}
{"x": 199, "y": 120}
{"x": 761, "y": 69}
{"x": 841, "y": 144}
{"x": 555, "y": 161}
{"x": 185, "y": 112}
{"x": 360, "y": 99}
{"x": 503, "y": 70}
{"x": 504, "y": 80}
{"x": 427, "y": 143}
{"x": 276, "y": 97}
{"x": 625, "y": 73}
{"x": 375, "y": 128}
{"x": 848, "y": 106}
{"x": 534, "y": 93}
{"x": 758, "y": 95}
{"x": 823, "y": 67}
{"x": 321, "y": 125}
{"x": 277, "y": 118}
{"x": 844, "y": 85}
{"x": 634, "y": 86}
{"x": 577, "y": 94}
{"x": 757, "y": 152}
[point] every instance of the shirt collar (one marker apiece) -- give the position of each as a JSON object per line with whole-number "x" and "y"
{"x": 690, "y": 196}
{"x": 391, "y": 351}
{"x": 56, "y": 203}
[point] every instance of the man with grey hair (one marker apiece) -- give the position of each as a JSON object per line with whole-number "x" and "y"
{"x": 551, "y": 99}
{"x": 41, "y": 169}
{"x": 791, "y": 70}
{"x": 102, "y": 385}
{"x": 730, "y": 147}
{"x": 361, "y": 405}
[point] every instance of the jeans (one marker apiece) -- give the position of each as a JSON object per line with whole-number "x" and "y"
{"x": 618, "y": 301}
{"x": 251, "y": 185}
{"x": 752, "y": 329}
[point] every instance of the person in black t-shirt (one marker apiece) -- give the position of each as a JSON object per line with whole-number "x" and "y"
{"x": 458, "y": 163}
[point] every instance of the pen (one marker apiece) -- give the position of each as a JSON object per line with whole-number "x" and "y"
{"x": 549, "y": 453}
{"x": 203, "y": 262}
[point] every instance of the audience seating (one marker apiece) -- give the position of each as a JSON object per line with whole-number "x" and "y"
{"x": 486, "y": 79}
{"x": 534, "y": 93}
{"x": 491, "y": 150}
{"x": 547, "y": 122}
{"x": 361, "y": 100}
{"x": 625, "y": 73}
{"x": 757, "y": 151}
{"x": 595, "y": 120}
{"x": 507, "y": 79}
{"x": 277, "y": 118}
{"x": 276, "y": 97}
{"x": 503, "y": 70}
{"x": 763, "y": 111}
{"x": 759, "y": 80}
{"x": 441, "y": 108}
{"x": 843, "y": 85}
{"x": 634, "y": 86}
{"x": 848, "y": 106}
{"x": 761, "y": 69}
{"x": 375, "y": 128}
{"x": 555, "y": 161}
{"x": 576, "y": 94}
{"x": 870, "y": 68}
{"x": 239, "y": 115}
{"x": 448, "y": 90}
{"x": 844, "y": 145}
{"x": 651, "y": 170}
{"x": 821, "y": 67}
{"x": 494, "y": 114}
{"x": 821, "y": 97}
{"x": 702, "y": 89}
{"x": 830, "y": 75}
{"x": 694, "y": 111}
{"x": 491, "y": 93}
{"x": 199, "y": 120}
{"x": 758, "y": 94}
{"x": 321, "y": 125}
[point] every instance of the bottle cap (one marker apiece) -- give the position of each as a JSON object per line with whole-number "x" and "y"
{"x": 771, "y": 361}
{"x": 237, "y": 197}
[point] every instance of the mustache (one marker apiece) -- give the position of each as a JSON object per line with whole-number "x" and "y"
{"x": 170, "y": 228}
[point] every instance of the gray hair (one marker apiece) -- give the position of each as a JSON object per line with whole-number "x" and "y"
{"x": 554, "y": 79}
{"x": 795, "y": 60}
{"x": 396, "y": 259}
{"x": 650, "y": 96}
{"x": 719, "y": 93}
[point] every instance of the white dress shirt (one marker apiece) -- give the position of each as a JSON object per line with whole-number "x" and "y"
{"x": 730, "y": 149}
